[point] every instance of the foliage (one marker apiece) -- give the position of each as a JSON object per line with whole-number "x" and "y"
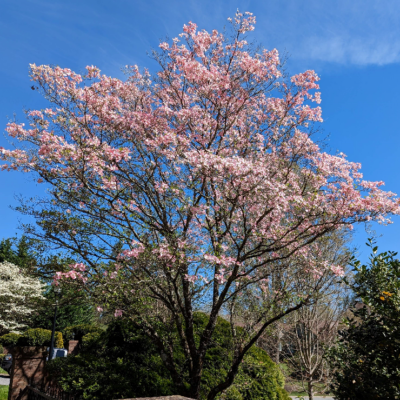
{"x": 367, "y": 357}
{"x": 17, "y": 252}
{"x": 74, "y": 309}
{"x": 29, "y": 256}
{"x": 9, "y": 339}
{"x": 77, "y": 332}
{"x": 90, "y": 339}
{"x": 200, "y": 180}
{"x": 122, "y": 364}
{"x": 125, "y": 363}
{"x": 19, "y": 295}
{"x": 258, "y": 378}
{"x": 40, "y": 337}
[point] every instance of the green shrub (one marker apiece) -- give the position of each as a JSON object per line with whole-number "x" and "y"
{"x": 366, "y": 358}
{"x": 1, "y": 349}
{"x": 123, "y": 363}
{"x": 90, "y": 339}
{"x": 77, "y": 332}
{"x": 258, "y": 378}
{"x": 9, "y": 339}
{"x": 40, "y": 337}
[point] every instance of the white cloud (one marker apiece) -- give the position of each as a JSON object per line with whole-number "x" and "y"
{"x": 358, "y": 32}
{"x": 350, "y": 50}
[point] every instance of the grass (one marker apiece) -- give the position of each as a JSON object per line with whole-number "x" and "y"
{"x": 3, "y": 372}
{"x": 319, "y": 389}
{"x": 3, "y": 392}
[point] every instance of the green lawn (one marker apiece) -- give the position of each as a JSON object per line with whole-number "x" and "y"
{"x": 3, "y": 392}
{"x": 2, "y": 371}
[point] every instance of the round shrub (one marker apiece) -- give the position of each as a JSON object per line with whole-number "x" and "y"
{"x": 9, "y": 339}
{"x": 258, "y": 378}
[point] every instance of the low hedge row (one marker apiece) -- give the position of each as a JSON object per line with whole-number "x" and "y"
{"x": 32, "y": 337}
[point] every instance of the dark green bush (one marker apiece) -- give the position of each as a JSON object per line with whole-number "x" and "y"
{"x": 40, "y": 337}
{"x": 366, "y": 359}
{"x": 123, "y": 363}
{"x": 77, "y": 332}
{"x": 91, "y": 339}
{"x": 9, "y": 339}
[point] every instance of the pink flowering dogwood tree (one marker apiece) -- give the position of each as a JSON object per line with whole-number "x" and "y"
{"x": 185, "y": 190}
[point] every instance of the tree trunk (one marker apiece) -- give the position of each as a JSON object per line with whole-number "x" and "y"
{"x": 310, "y": 389}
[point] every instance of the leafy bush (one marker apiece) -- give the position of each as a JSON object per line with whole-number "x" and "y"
{"x": 366, "y": 359}
{"x": 40, "y": 337}
{"x": 9, "y": 339}
{"x": 90, "y": 339}
{"x": 79, "y": 331}
{"x": 258, "y": 378}
{"x": 123, "y": 363}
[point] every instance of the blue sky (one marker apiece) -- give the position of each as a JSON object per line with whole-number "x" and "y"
{"x": 353, "y": 45}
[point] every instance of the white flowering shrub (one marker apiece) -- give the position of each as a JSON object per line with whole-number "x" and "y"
{"x": 18, "y": 296}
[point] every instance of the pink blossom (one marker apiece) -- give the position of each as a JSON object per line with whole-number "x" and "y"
{"x": 191, "y": 278}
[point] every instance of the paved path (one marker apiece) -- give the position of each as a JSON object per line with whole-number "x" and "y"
{"x": 4, "y": 380}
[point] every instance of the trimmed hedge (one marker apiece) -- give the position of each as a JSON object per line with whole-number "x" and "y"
{"x": 40, "y": 337}
{"x": 79, "y": 331}
{"x": 32, "y": 337}
{"x": 9, "y": 339}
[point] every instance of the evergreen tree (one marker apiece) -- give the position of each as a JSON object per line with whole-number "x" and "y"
{"x": 366, "y": 359}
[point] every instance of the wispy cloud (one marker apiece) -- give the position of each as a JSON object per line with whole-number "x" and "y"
{"x": 357, "y": 32}
{"x": 345, "y": 49}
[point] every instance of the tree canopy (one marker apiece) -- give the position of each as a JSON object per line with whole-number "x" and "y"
{"x": 187, "y": 189}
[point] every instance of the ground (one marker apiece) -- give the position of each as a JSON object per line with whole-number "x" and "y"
{"x": 3, "y": 392}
